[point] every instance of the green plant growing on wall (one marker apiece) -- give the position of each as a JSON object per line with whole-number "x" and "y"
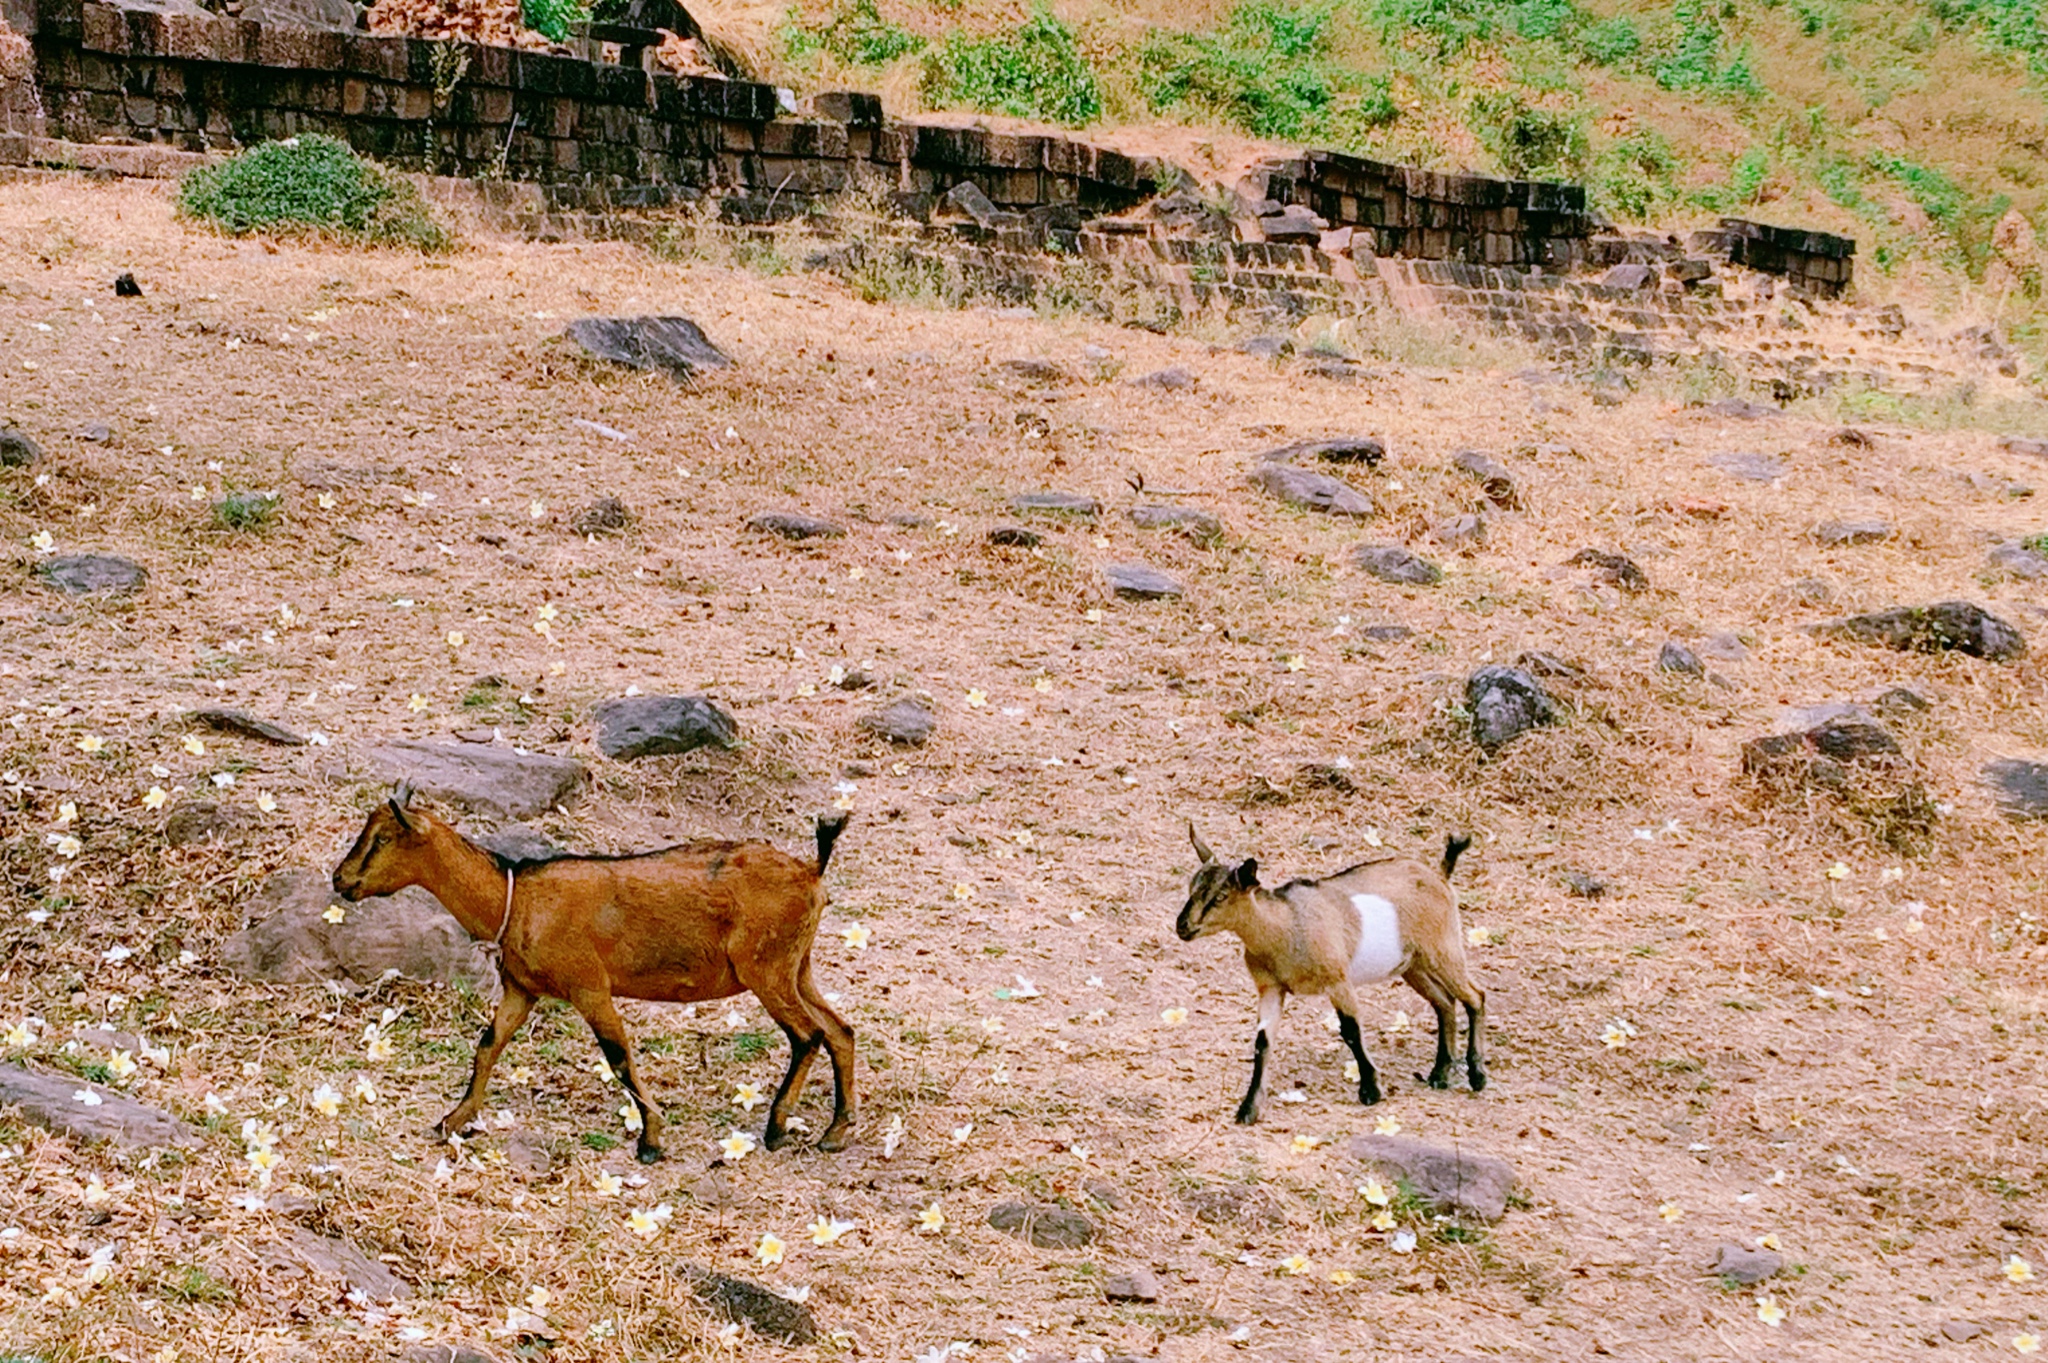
{"x": 1038, "y": 71}
{"x": 310, "y": 184}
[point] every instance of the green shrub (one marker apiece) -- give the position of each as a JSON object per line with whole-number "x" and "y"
{"x": 1529, "y": 140}
{"x": 1447, "y": 26}
{"x": 2016, "y": 26}
{"x": 1694, "y": 59}
{"x": 1036, "y": 72}
{"x": 1964, "y": 223}
{"x": 554, "y": 19}
{"x": 1636, "y": 176}
{"x": 246, "y": 512}
{"x": 1611, "y": 41}
{"x": 855, "y": 33}
{"x": 1266, "y": 72}
{"x": 310, "y": 184}
{"x": 2036, "y": 544}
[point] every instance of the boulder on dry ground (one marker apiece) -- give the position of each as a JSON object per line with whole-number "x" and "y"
{"x": 676, "y": 345}
{"x": 1312, "y": 491}
{"x": 485, "y": 778}
{"x": 1505, "y": 703}
{"x": 288, "y": 938}
{"x": 92, "y": 1112}
{"x": 1449, "y": 1181}
{"x": 90, "y": 574}
{"x": 1943, "y": 626}
{"x": 765, "y": 1312}
{"x": 655, "y": 726}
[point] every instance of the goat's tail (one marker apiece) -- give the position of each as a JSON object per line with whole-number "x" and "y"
{"x": 829, "y": 829}
{"x": 1454, "y": 847}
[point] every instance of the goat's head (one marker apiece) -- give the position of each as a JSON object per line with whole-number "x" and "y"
{"x": 1213, "y": 887}
{"x": 384, "y": 859}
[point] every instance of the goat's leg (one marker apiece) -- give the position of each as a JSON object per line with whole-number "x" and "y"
{"x": 513, "y": 1006}
{"x": 838, "y": 1045}
{"x": 1346, "y": 1004}
{"x": 1271, "y": 997}
{"x": 1474, "y": 999}
{"x": 785, "y": 1003}
{"x": 603, "y": 1016}
{"x": 1431, "y": 988}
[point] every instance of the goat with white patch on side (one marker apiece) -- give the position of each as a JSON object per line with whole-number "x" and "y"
{"x": 1394, "y": 917}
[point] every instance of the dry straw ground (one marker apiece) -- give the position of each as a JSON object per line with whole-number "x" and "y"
{"x": 1805, "y": 1063}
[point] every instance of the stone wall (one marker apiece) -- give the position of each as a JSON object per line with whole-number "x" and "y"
{"x": 1818, "y": 263}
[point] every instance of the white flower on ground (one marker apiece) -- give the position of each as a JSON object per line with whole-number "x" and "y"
{"x": 747, "y": 1097}
{"x": 931, "y": 1220}
{"x": 770, "y": 1250}
{"x": 828, "y": 1230}
{"x": 737, "y": 1145}
{"x": 327, "y": 1100}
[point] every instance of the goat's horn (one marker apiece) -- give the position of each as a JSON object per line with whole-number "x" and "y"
{"x": 1201, "y": 850}
{"x": 401, "y": 794}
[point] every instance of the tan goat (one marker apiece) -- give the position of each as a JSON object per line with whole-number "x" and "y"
{"x": 1394, "y": 917}
{"x": 705, "y": 920}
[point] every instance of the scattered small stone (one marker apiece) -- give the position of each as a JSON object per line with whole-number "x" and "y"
{"x": 1811, "y": 591}
{"x": 1611, "y": 569}
{"x": 1837, "y": 533}
{"x": 445, "y": 1353}
{"x": 1741, "y": 409}
{"x": 1755, "y": 468}
{"x": 50, "y": 1100}
{"x": 286, "y": 937}
{"x": 1234, "y": 1204}
{"x": 673, "y": 344}
{"x": 1853, "y": 439}
{"x": 2021, "y": 787}
{"x": 1609, "y": 389}
{"x": 1344, "y": 449}
{"x": 1460, "y": 532}
{"x": 304, "y": 1251}
{"x": 2019, "y": 444}
{"x": 1044, "y": 1227}
{"x": 605, "y": 516}
{"x": 1133, "y": 1284}
{"x": 1676, "y": 657}
{"x": 1944, "y": 626}
{"x": 1494, "y": 479}
{"x": 766, "y": 1313}
{"x": 1055, "y": 504}
{"x": 1505, "y": 703}
{"x": 490, "y": 780}
{"x": 856, "y": 680}
{"x": 1579, "y": 885}
{"x": 86, "y": 574}
{"x": 1386, "y": 634}
{"x": 1312, "y": 491}
{"x": 1273, "y": 348}
{"x": 1196, "y": 525}
{"x": 1015, "y": 537}
{"x": 125, "y": 285}
{"x": 1450, "y": 1181}
{"x": 1393, "y": 563}
{"x": 245, "y": 724}
{"x": 1141, "y": 583}
{"x": 632, "y": 727}
{"x": 908, "y": 721}
{"x": 1337, "y": 368}
{"x": 93, "y": 433}
{"x": 1034, "y": 371}
{"x": 203, "y": 821}
{"x": 793, "y": 525}
{"x": 2018, "y": 560}
{"x": 16, "y": 449}
{"x": 1723, "y": 648}
{"x": 1961, "y": 1331}
{"x": 1172, "y": 380}
{"x": 1745, "y": 1267}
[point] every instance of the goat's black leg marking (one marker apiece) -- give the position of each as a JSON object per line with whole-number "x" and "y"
{"x": 513, "y": 1006}
{"x": 616, "y": 1056}
{"x": 800, "y": 1048}
{"x": 1475, "y": 1067}
{"x": 1368, "y": 1078}
{"x": 1248, "y": 1110}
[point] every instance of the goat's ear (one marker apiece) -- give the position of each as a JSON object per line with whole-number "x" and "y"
{"x": 404, "y": 819}
{"x": 1247, "y": 873}
{"x": 1201, "y": 848}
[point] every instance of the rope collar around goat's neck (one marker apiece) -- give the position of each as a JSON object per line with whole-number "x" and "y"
{"x": 496, "y": 946}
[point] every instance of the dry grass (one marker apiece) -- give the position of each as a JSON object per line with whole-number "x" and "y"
{"x": 1788, "y": 1022}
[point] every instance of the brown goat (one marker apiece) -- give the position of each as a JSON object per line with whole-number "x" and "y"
{"x": 704, "y": 920}
{"x": 1380, "y": 920}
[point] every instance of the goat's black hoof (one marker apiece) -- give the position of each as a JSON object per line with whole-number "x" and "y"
{"x": 1478, "y": 1079}
{"x": 774, "y": 1139}
{"x": 1439, "y": 1079}
{"x": 1247, "y": 1116}
{"x": 832, "y": 1142}
{"x": 650, "y": 1154}
{"x": 1369, "y": 1097}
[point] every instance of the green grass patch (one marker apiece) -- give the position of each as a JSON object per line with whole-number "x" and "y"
{"x": 854, "y": 33}
{"x": 194, "y": 1286}
{"x": 555, "y": 20}
{"x": 1268, "y": 72}
{"x": 246, "y": 512}
{"x": 1037, "y": 71}
{"x": 311, "y": 185}
{"x": 746, "y": 1046}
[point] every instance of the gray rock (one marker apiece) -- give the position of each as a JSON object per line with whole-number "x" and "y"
{"x": 1505, "y": 703}
{"x": 1745, "y": 1267}
{"x": 445, "y": 1353}
{"x": 1723, "y": 648}
{"x": 51, "y": 1100}
{"x": 204, "y": 821}
{"x": 1133, "y": 1284}
{"x": 1386, "y": 634}
{"x": 1173, "y": 380}
{"x": 1611, "y": 569}
{"x": 1631, "y": 275}
{"x": 1141, "y": 583}
{"x": 1393, "y": 563}
{"x": 1339, "y": 368}
{"x": 488, "y": 780}
{"x": 766, "y": 1313}
{"x": 321, "y": 16}
{"x": 673, "y": 344}
{"x": 1033, "y": 371}
{"x": 2017, "y": 560}
{"x": 1836, "y": 533}
{"x": 1942, "y": 627}
{"x": 909, "y": 722}
{"x": 1312, "y": 491}
{"x": 92, "y": 432}
{"x": 1055, "y": 504}
{"x": 1449, "y": 1181}
{"x": 966, "y": 200}
{"x": 1961, "y": 1331}
{"x": 1014, "y": 537}
{"x": 1196, "y": 525}
{"x": 1460, "y": 532}
{"x": 84, "y": 574}
{"x": 1235, "y": 1204}
{"x": 1676, "y": 657}
{"x": 605, "y": 516}
{"x": 794, "y": 525}
{"x": 303, "y": 1252}
{"x": 1294, "y": 224}
{"x": 656, "y": 726}
{"x": 245, "y": 724}
{"x": 184, "y": 9}
{"x": 1754, "y": 468}
{"x": 518, "y": 842}
{"x": 1494, "y": 479}
{"x": 285, "y": 940}
{"x": 1579, "y": 885}
{"x": 1344, "y": 449}
{"x": 2019, "y": 444}
{"x": 1741, "y": 409}
{"x": 1045, "y": 1227}
{"x": 16, "y": 449}
{"x": 1274, "y": 348}
{"x": 2021, "y": 787}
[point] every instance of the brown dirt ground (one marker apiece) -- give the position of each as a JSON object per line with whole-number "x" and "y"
{"x": 1805, "y": 1065}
